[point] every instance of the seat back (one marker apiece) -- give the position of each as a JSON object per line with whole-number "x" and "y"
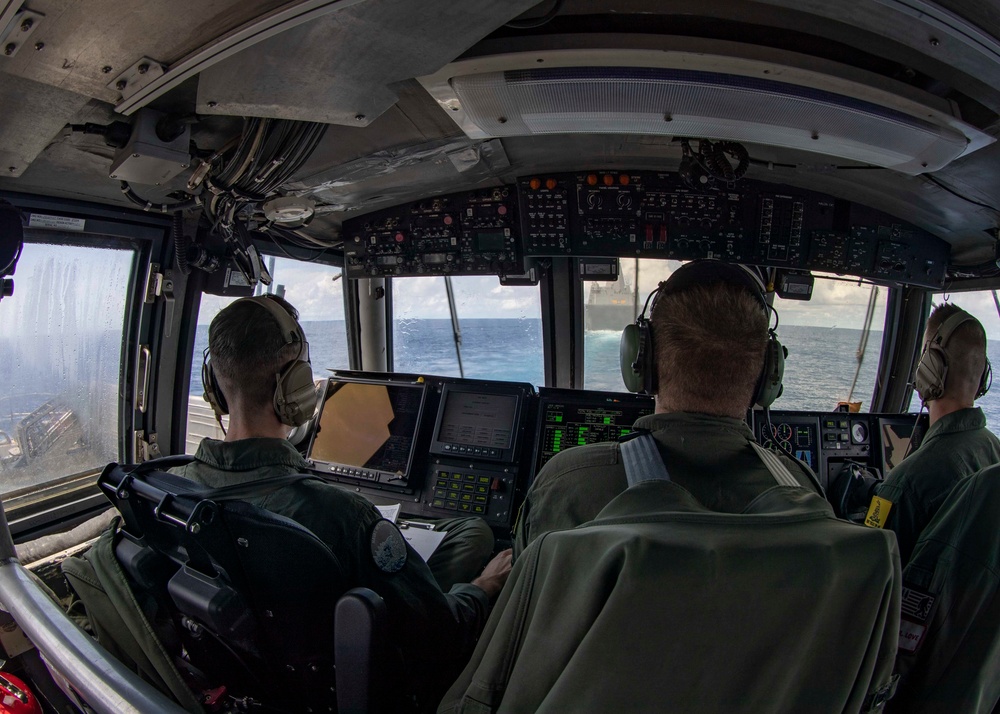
{"x": 660, "y": 605}
{"x": 949, "y": 644}
{"x": 248, "y": 594}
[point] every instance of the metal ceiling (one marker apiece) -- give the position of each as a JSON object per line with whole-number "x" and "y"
{"x": 352, "y": 64}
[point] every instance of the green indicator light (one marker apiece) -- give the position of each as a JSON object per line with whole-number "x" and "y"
{"x": 559, "y": 418}
{"x": 607, "y": 420}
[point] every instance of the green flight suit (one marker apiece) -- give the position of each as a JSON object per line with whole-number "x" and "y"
{"x": 709, "y": 456}
{"x": 956, "y": 446}
{"x": 949, "y": 639}
{"x": 436, "y": 630}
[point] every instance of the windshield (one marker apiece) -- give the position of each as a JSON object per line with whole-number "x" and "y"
{"x": 831, "y": 356}
{"x": 500, "y": 328}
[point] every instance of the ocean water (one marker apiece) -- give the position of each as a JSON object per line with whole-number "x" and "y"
{"x": 819, "y": 370}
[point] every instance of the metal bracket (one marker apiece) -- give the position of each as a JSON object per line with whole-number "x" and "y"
{"x": 137, "y": 77}
{"x": 142, "y": 370}
{"x": 144, "y": 449}
{"x": 16, "y": 34}
{"x": 154, "y": 284}
{"x": 168, "y": 294}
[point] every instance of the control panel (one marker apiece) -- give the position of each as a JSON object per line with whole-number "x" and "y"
{"x": 575, "y": 417}
{"x": 649, "y": 215}
{"x": 473, "y": 233}
{"x": 640, "y": 214}
{"x": 476, "y": 448}
{"x": 826, "y": 441}
{"x": 442, "y": 446}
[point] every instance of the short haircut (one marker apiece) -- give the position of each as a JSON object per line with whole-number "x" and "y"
{"x": 709, "y": 342}
{"x": 966, "y": 350}
{"x": 248, "y": 350}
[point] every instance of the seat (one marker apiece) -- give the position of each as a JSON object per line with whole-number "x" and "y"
{"x": 241, "y": 600}
{"x": 949, "y": 646}
{"x": 661, "y": 605}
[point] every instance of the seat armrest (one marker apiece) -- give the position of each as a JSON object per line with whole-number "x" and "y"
{"x": 359, "y": 652}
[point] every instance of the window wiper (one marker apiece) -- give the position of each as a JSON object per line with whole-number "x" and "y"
{"x": 863, "y": 344}
{"x": 456, "y": 328}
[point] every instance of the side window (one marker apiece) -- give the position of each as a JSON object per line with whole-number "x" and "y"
{"x": 832, "y": 355}
{"x": 315, "y": 291}
{"x": 982, "y": 304}
{"x": 500, "y": 327}
{"x": 62, "y": 333}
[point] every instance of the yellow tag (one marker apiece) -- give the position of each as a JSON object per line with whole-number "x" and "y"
{"x": 878, "y": 512}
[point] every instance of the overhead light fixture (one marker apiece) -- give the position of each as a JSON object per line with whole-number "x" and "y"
{"x": 289, "y": 209}
{"x": 689, "y": 94}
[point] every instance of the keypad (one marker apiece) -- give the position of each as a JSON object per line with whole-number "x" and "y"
{"x": 462, "y": 492}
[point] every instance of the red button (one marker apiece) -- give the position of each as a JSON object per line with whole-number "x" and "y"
{"x": 400, "y": 237}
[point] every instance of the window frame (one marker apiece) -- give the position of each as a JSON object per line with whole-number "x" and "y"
{"x": 71, "y": 498}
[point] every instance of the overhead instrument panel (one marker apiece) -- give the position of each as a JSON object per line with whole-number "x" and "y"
{"x": 611, "y": 213}
{"x": 473, "y": 233}
{"x": 657, "y": 215}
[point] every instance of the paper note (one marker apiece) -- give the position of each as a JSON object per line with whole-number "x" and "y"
{"x": 420, "y": 536}
{"x": 390, "y": 513}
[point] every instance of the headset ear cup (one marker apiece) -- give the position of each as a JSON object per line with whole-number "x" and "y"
{"x": 295, "y": 396}
{"x": 630, "y": 357}
{"x": 635, "y": 357}
{"x": 931, "y": 373}
{"x": 213, "y": 395}
{"x": 769, "y": 386}
{"x": 986, "y": 381}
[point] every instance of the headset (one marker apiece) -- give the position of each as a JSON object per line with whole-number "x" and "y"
{"x": 931, "y": 374}
{"x": 295, "y": 395}
{"x": 635, "y": 350}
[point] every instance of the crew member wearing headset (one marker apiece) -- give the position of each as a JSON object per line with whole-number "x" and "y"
{"x": 667, "y": 572}
{"x": 952, "y": 373}
{"x": 257, "y": 371}
{"x": 708, "y": 355}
